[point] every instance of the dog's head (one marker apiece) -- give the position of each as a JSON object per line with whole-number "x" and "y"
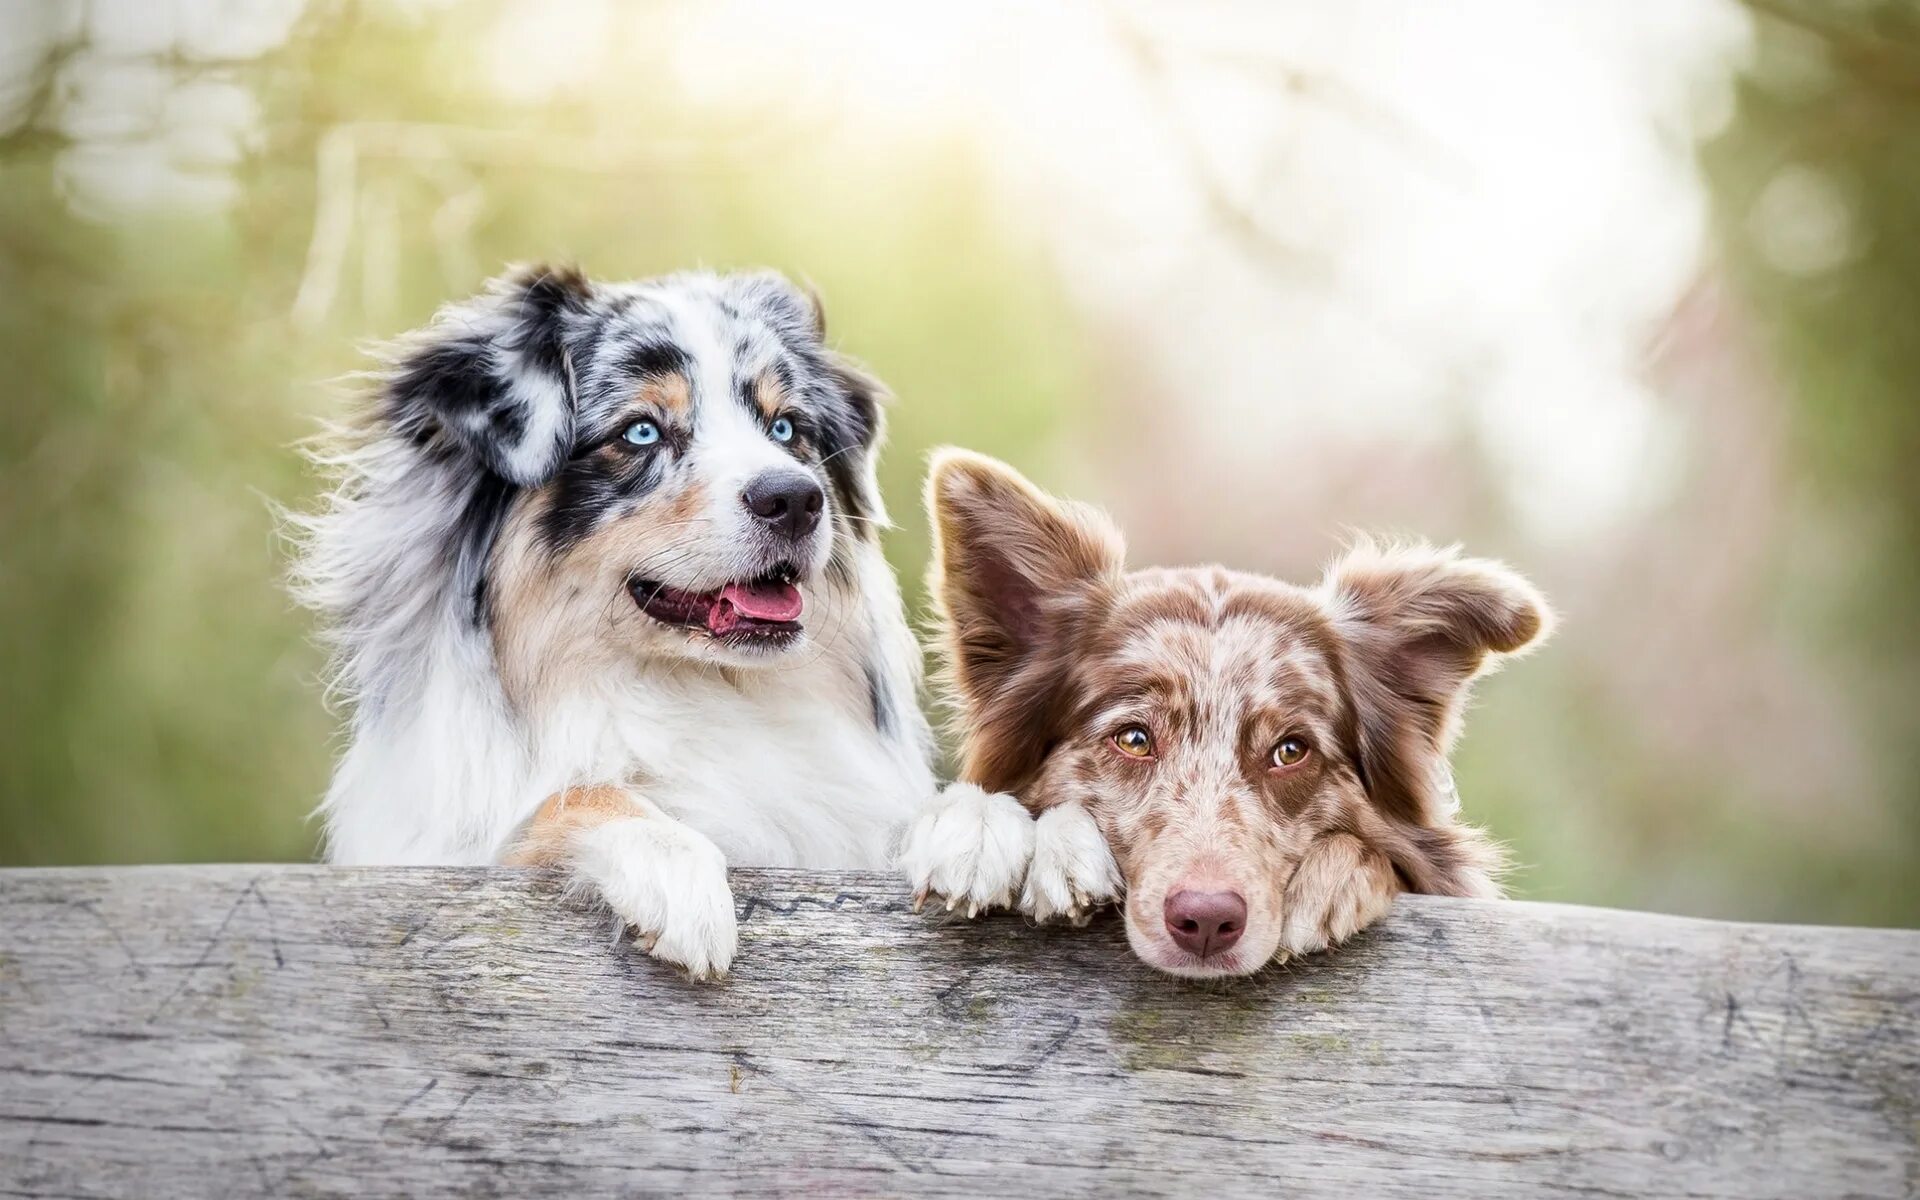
{"x": 670, "y": 467}
{"x": 1213, "y": 723}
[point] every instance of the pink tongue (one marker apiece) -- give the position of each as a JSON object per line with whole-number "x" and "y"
{"x": 762, "y": 602}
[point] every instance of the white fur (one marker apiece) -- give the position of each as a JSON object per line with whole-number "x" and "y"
{"x": 773, "y": 763}
{"x": 665, "y": 881}
{"x": 778, "y": 766}
{"x": 731, "y": 452}
{"x": 1073, "y": 871}
{"x": 970, "y": 847}
{"x": 549, "y": 423}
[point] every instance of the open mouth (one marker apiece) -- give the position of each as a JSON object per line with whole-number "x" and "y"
{"x": 764, "y": 610}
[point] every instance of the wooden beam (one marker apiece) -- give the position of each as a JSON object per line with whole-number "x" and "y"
{"x": 305, "y": 1030}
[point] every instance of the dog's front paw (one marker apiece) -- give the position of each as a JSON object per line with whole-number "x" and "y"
{"x": 1073, "y": 871}
{"x": 669, "y": 884}
{"x": 696, "y": 927}
{"x": 1341, "y": 887}
{"x": 969, "y": 847}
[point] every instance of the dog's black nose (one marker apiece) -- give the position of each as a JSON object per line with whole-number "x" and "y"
{"x": 787, "y": 501}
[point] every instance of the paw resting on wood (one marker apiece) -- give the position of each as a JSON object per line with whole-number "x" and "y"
{"x": 1341, "y": 887}
{"x": 669, "y": 885}
{"x": 1073, "y": 871}
{"x": 666, "y": 881}
{"x": 969, "y": 848}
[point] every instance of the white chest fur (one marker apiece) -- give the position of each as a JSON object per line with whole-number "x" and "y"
{"x": 777, "y": 771}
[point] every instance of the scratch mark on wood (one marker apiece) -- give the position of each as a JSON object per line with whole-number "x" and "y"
{"x": 273, "y": 931}
{"x": 870, "y": 1130}
{"x": 446, "y": 1122}
{"x": 206, "y": 953}
{"x": 787, "y": 908}
{"x": 133, "y": 960}
{"x": 409, "y": 1102}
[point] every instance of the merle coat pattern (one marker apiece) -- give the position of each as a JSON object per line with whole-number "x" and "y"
{"x": 601, "y": 576}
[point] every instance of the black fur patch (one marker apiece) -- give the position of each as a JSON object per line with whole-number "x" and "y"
{"x": 649, "y": 359}
{"x": 446, "y": 381}
{"x": 846, "y": 433}
{"x": 509, "y": 423}
{"x": 474, "y": 535}
{"x": 550, "y": 296}
{"x": 590, "y": 486}
{"x": 451, "y": 391}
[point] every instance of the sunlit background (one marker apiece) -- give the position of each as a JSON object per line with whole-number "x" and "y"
{"x": 1628, "y": 294}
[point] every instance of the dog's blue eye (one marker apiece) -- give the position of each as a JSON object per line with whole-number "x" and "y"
{"x": 781, "y": 429}
{"x": 641, "y": 433}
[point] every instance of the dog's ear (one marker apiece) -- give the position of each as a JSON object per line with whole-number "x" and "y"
{"x": 1016, "y": 576}
{"x": 1417, "y": 625}
{"x": 491, "y": 377}
{"x": 851, "y": 434}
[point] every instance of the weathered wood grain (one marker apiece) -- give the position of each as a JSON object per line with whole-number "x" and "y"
{"x": 309, "y": 1031}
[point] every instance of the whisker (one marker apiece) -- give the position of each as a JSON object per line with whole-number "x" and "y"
{"x": 837, "y": 453}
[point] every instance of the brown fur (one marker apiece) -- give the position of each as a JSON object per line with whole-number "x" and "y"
{"x": 544, "y": 841}
{"x": 543, "y": 600}
{"x": 769, "y": 395}
{"x": 1050, "y": 646}
{"x": 670, "y": 394}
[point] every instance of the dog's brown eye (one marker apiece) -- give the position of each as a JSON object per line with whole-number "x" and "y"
{"x": 1289, "y": 751}
{"x": 1134, "y": 742}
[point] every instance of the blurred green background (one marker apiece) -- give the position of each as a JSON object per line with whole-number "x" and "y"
{"x": 1635, "y": 306}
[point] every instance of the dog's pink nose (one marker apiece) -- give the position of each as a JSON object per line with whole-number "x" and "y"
{"x": 1204, "y": 923}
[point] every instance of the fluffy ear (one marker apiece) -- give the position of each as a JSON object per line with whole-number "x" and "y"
{"x": 491, "y": 378}
{"x": 1417, "y": 625}
{"x": 1016, "y": 576}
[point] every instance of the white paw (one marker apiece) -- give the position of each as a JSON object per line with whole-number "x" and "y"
{"x": 1073, "y": 871}
{"x": 669, "y": 884}
{"x": 969, "y": 847}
